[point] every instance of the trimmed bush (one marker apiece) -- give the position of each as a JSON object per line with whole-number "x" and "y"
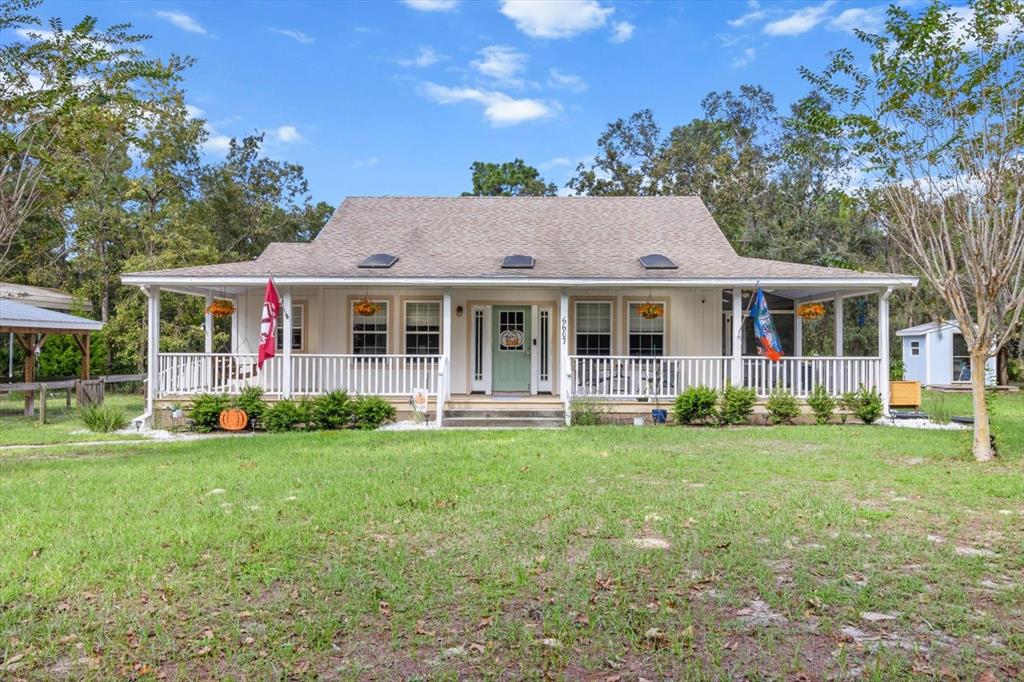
{"x": 206, "y": 409}
{"x": 737, "y": 404}
{"x": 696, "y": 405}
{"x": 588, "y": 412}
{"x": 848, "y": 404}
{"x": 330, "y": 411}
{"x": 371, "y": 412}
{"x": 284, "y": 415}
{"x": 103, "y": 418}
{"x": 868, "y": 407}
{"x": 822, "y": 404}
{"x": 251, "y": 400}
{"x": 782, "y": 407}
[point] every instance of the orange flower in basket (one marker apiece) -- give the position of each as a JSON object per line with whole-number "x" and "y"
{"x": 811, "y": 311}
{"x": 221, "y": 308}
{"x": 365, "y": 307}
{"x": 651, "y": 311}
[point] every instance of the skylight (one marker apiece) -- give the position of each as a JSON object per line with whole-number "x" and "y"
{"x": 656, "y": 261}
{"x": 379, "y": 260}
{"x": 517, "y": 262}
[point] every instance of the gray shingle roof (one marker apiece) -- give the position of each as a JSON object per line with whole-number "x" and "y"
{"x": 22, "y": 315}
{"x": 467, "y": 237}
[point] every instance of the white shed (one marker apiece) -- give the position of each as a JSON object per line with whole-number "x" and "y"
{"x": 935, "y": 354}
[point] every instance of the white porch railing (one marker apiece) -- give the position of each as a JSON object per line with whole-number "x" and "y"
{"x": 620, "y": 376}
{"x": 384, "y": 375}
{"x": 800, "y": 375}
{"x": 615, "y": 377}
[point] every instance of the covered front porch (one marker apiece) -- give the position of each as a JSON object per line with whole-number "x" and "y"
{"x": 535, "y": 339}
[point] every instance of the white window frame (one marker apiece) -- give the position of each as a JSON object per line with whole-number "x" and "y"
{"x": 664, "y": 328}
{"x": 576, "y": 325}
{"x": 301, "y": 328}
{"x": 405, "y": 324}
{"x": 915, "y": 348}
{"x": 352, "y": 325}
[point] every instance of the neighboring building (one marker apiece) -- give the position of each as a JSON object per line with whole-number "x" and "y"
{"x": 483, "y": 300}
{"x": 935, "y": 354}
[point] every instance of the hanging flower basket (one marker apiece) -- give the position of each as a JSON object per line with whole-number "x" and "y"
{"x": 811, "y": 311}
{"x": 366, "y": 307}
{"x": 221, "y": 308}
{"x": 651, "y": 311}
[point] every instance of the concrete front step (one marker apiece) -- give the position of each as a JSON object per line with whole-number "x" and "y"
{"x": 492, "y": 413}
{"x": 503, "y": 422}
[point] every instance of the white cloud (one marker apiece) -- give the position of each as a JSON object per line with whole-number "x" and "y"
{"x": 501, "y": 63}
{"x": 745, "y": 59}
{"x": 34, "y": 33}
{"x": 755, "y": 14}
{"x": 297, "y": 36}
{"x": 217, "y": 144}
{"x": 288, "y": 134}
{"x": 869, "y": 19}
{"x": 366, "y": 163}
{"x": 964, "y": 17}
{"x": 432, "y": 5}
{"x": 800, "y": 21}
{"x": 427, "y": 57}
{"x": 566, "y": 81}
{"x": 557, "y": 162}
{"x": 555, "y": 18}
{"x": 194, "y": 111}
{"x": 499, "y": 108}
{"x": 622, "y": 31}
{"x": 182, "y": 21}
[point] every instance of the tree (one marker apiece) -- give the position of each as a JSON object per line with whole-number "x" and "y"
{"x": 938, "y": 123}
{"x": 509, "y": 179}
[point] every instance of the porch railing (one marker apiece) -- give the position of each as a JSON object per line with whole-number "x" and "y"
{"x": 384, "y": 375}
{"x": 615, "y": 377}
{"x": 620, "y": 376}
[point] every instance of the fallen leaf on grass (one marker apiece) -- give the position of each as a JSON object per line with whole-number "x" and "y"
{"x": 477, "y": 648}
{"x": 655, "y": 635}
{"x": 205, "y": 650}
{"x": 385, "y": 609}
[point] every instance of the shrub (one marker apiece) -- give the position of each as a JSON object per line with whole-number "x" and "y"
{"x": 103, "y": 418}
{"x": 206, "y": 409}
{"x": 371, "y": 412}
{"x": 588, "y": 412}
{"x": 737, "y": 405}
{"x": 867, "y": 405}
{"x": 284, "y": 415}
{"x": 696, "y": 405}
{"x": 330, "y": 411}
{"x": 896, "y": 370}
{"x": 782, "y": 407}
{"x": 822, "y": 404}
{"x": 251, "y": 400}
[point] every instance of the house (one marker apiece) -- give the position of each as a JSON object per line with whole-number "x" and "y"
{"x": 935, "y": 355}
{"x": 493, "y": 304}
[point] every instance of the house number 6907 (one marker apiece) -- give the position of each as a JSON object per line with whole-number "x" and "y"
{"x": 565, "y": 328}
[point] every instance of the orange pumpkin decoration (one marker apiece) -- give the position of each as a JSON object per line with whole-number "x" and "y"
{"x": 233, "y": 419}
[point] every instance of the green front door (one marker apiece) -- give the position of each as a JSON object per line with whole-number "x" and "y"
{"x": 512, "y": 344}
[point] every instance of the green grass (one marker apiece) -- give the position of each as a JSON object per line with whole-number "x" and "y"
{"x": 63, "y": 424}
{"x": 349, "y": 555}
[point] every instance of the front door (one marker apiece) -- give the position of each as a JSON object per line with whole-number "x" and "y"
{"x": 512, "y": 344}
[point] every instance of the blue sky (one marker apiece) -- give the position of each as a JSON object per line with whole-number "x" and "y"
{"x": 401, "y": 97}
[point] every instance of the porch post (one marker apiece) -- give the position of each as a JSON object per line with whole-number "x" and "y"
{"x": 798, "y": 336}
{"x": 152, "y": 348}
{"x": 208, "y": 339}
{"x": 736, "y": 366}
{"x": 286, "y": 355}
{"x": 837, "y": 309}
{"x": 444, "y": 370}
{"x": 565, "y": 371}
{"x": 883, "y": 348}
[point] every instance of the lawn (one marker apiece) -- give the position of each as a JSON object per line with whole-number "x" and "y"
{"x": 605, "y": 552}
{"x": 63, "y": 424}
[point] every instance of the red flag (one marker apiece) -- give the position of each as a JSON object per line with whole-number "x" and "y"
{"x": 268, "y": 324}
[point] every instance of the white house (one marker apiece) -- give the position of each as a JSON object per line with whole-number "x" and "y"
{"x": 503, "y": 302}
{"x": 935, "y": 354}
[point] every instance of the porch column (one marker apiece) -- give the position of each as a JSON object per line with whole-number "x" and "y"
{"x": 286, "y": 355}
{"x": 565, "y": 371}
{"x": 208, "y": 339}
{"x": 736, "y": 366}
{"x": 153, "y": 348}
{"x": 798, "y": 336}
{"x": 444, "y": 371}
{"x": 837, "y": 309}
{"x": 883, "y": 348}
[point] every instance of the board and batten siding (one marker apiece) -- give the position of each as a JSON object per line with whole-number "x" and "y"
{"x": 693, "y": 318}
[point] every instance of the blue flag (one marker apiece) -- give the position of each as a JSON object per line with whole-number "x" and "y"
{"x": 764, "y": 328}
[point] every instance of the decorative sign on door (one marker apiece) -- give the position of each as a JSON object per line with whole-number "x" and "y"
{"x": 512, "y": 339}
{"x": 511, "y": 330}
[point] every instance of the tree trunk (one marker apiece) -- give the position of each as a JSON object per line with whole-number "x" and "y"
{"x": 1003, "y": 366}
{"x": 983, "y": 451}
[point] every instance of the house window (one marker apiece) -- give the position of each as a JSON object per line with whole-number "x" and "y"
{"x": 593, "y": 328}
{"x": 370, "y": 332}
{"x": 646, "y": 337}
{"x": 961, "y": 359}
{"x": 298, "y": 329}
{"x": 423, "y": 328}
{"x": 915, "y": 348}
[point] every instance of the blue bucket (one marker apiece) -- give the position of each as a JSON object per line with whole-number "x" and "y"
{"x": 659, "y": 416}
